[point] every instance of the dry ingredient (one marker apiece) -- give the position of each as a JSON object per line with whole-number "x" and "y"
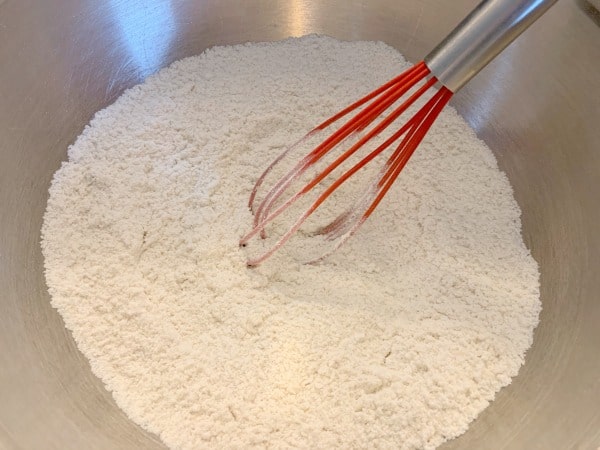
{"x": 397, "y": 341}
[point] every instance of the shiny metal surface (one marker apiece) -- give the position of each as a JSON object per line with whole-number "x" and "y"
{"x": 536, "y": 105}
{"x": 480, "y": 37}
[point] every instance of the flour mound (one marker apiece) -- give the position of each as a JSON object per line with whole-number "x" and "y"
{"x": 397, "y": 341}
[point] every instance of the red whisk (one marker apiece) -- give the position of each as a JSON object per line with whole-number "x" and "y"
{"x": 484, "y": 33}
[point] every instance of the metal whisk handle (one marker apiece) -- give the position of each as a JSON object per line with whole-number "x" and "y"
{"x": 482, "y": 35}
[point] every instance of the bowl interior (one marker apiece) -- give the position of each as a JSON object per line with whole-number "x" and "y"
{"x": 535, "y": 106}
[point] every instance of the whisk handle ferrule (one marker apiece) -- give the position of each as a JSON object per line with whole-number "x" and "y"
{"x": 480, "y": 37}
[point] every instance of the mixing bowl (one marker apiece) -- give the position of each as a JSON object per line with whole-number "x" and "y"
{"x": 536, "y": 106}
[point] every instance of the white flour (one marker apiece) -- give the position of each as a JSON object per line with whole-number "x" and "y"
{"x": 397, "y": 341}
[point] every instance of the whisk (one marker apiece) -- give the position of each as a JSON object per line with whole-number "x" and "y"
{"x": 481, "y": 36}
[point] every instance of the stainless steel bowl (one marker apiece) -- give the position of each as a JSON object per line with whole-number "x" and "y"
{"x": 536, "y": 106}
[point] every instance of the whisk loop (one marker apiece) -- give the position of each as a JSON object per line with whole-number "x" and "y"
{"x": 342, "y": 227}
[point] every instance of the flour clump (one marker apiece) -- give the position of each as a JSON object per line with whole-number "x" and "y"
{"x": 399, "y": 340}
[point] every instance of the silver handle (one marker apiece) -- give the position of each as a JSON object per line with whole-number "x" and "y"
{"x": 482, "y": 35}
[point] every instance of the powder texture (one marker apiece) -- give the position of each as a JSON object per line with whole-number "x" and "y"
{"x": 398, "y": 340}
